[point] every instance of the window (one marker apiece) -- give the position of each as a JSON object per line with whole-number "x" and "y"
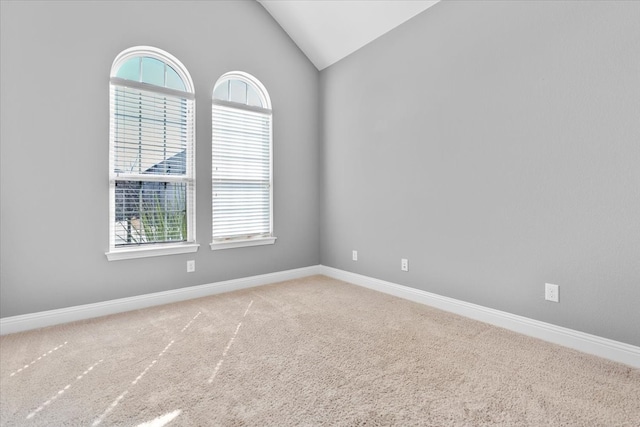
{"x": 151, "y": 156}
{"x": 242, "y": 190}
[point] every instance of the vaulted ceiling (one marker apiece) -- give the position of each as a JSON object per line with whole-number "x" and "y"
{"x": 329, "y": 30}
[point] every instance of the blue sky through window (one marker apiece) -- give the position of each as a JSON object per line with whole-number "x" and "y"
{"x": 151, "y": 70}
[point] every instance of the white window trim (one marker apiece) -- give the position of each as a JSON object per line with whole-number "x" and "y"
{"x": 157, "y": 249}
{"x": 242, "y": 243}
{"x": 146, "y": 252}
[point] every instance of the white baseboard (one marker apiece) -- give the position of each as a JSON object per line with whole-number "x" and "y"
{"x": 591, "y": 344}
{"x": 598, "y": 346}
{"x": 42, "y": 319}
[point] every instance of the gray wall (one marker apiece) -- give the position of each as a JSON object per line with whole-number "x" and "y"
{"x": 56, "y": 58}
{"x": 496, "y": 145}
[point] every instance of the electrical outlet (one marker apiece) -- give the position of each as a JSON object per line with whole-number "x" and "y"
{"x": 191, "y": 266}
{"x": 551, "y": 292}
{"x": 354, "y": 255}
{"x": 404, "y": 264}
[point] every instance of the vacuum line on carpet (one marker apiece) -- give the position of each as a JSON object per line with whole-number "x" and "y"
{"x": 190, "y": 322}
{"x": 38, "y": 359}
{"x": 62, "y": 390}
{"x": 162, "y": 420}
{"x": 246, "y": 311}
{"x": 166, "y": 348}
{"x": 110, "y": 408}
{"x": 139, "y": 377}
{"x": 226, "y": 350}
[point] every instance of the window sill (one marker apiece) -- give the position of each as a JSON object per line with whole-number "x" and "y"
{"x": 155, "y": 250}
{"x": 241, "y": 243}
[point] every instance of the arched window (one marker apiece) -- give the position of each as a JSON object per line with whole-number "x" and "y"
{"x": 151, "y": 155}
{"x": 242, "y": 161}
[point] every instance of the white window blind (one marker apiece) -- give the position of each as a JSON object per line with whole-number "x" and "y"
{"x": 241, "y": 167}
{"x": 241, "y": 159}
{"x": 152, "y": 180}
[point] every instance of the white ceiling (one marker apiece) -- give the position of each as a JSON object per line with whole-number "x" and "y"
{"x": 328, "y": 30}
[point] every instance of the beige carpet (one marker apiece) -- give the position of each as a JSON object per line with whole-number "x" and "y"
{"x": 314, "y": 351}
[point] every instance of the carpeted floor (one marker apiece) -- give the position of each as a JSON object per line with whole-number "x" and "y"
{"x": 314, "y": 351}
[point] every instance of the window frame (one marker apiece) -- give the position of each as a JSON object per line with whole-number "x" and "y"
{"x": 189, "y": 178}
{"x": 239, "y": 240}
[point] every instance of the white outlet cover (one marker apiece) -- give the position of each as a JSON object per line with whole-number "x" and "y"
{"x": 551, "y": 292}
{"x": 354, "y": 255}
{"x": 191, "y": 266}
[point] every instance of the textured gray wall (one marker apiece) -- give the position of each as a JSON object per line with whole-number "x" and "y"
{"x": 496, "y": 145}
{"x": 56, "y": 58}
